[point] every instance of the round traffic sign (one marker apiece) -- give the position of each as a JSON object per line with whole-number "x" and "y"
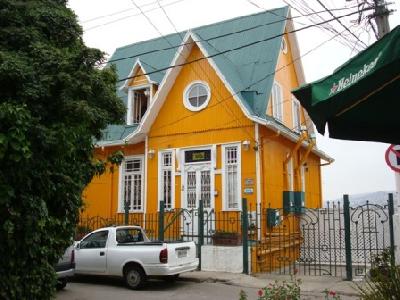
{"x": 392, "y": 157}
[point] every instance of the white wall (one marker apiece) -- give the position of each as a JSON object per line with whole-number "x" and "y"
{"x": 396, "y": 230}
{"x": 222, "y": 259}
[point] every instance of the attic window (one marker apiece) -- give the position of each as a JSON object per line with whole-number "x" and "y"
{"x": 137, "y": 106}
{"x": 196, "y": 96}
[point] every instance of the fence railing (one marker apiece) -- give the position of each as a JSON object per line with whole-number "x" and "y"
{"x": 338, "y": 240}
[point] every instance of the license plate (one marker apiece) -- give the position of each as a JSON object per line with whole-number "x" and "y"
{"x": 181, "y": 253}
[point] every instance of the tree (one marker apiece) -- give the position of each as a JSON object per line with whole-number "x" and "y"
{"x": 54, "y": 100}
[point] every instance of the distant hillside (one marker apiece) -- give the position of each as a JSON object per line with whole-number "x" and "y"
{"x": 379, "y": 197}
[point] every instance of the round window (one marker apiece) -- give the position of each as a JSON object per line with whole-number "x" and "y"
{"x": 196, "y": 96}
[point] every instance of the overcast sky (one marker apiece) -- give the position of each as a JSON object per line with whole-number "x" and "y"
{"x": 359, "y": 166}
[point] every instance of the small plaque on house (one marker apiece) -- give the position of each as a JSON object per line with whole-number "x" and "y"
{"x": 249, "y": 181}
{"x": 248, "y": 191}
{"x": 192, "y": 156}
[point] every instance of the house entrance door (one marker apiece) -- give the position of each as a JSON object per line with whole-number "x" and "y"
{"x": 198, "y": 184}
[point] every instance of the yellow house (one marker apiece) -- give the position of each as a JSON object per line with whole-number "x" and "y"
{"x": 210, "y": 116}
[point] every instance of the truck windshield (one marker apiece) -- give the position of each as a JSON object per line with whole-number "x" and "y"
{"x": 130, "y": 235}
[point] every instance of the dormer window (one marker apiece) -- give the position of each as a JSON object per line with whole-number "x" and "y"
{"x": 138, "y": 102}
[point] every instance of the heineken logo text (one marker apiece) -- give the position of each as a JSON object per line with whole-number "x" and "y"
{"x": 345, "y": 82}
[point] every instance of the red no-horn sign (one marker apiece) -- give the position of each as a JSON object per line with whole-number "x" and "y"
{"x": 392, "y": 157}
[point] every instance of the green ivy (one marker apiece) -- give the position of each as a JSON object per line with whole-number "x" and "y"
{"x": 53, "y": 101}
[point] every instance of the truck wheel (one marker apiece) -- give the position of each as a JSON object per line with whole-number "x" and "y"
{"x": 134, "y": 277}
{"x": 61, "y": 283}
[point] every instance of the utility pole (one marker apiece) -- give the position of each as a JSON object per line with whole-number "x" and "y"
{"x": 381, "y": 15}
{"x": 382, "y": 22}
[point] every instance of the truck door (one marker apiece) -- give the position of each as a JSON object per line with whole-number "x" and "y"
{"x": 91, "y": 255}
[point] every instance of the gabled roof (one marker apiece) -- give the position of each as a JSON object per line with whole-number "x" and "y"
{"x": 240, "y": 68}
{"x": 115, "y": 134}
{"x": 244, "y": 71}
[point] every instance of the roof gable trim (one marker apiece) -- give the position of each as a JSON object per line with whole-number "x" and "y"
{"x": 138, "y": 64}
{"x": 169, "y": 79}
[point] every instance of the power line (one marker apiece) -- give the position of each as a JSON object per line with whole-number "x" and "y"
{"x": 130, "y": 16}
{"x": 237, "y": 48}
{"x": 227, "y": 107}
{"x": 116, "y": 13}
{"x": 328, "y": 27}
{"x": 214, "y": 37}
{"x": 340, "y": 22}
{"x": 254, "y": 83}
{"x": 173, "y": 25}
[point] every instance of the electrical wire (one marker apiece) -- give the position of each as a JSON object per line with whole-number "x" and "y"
{"x": 234, "y": 49}
{"x": 340, "y": 22}
{"x": 252, "y": 84}
{"x": 126, "y": 17}
{"x": 117, "y": 13}
{"x": 315, "y": 19}
{"x": 211, "y": 38}
{"x": 193, "y": 69}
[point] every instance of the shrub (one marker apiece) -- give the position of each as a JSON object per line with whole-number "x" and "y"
{"x": 54, "y": 100}
{"x": 384, "y": 280}
{"x": 285, "y": 290}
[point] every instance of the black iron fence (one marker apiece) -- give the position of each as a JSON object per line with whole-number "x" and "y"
{"x": 338, "y": 240}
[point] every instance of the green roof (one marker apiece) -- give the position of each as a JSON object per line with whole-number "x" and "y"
{"x": 245, "y": 69}
{"x": 114, "y": 133}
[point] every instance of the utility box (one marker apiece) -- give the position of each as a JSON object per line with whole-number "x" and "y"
{"x": 288, "y": 202}
{"x": 273, "y": 217}
{"x": 299, "y": 202}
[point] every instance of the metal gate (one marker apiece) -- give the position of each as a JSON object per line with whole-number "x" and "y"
{"x": 338, "y": 240}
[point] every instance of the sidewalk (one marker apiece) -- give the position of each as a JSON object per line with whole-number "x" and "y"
{"x": 312, "y": 287}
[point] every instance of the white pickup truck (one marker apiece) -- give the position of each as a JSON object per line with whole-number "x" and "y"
{"x": 127, "y": 252}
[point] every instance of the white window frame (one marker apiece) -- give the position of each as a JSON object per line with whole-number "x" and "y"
{"x": 186, "y": 101}
{"x": 131, "y": 98}
{"x": 290, "y": 174}
{"x": 161, "y": 168}
{"x": 296, "y": 127}
{"x": 121, "y": 190}
{"x": 239, "y": 177}
{"x": 277, "y": 92}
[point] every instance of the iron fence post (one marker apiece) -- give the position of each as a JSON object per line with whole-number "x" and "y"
{"x": 245, "y": 241}
{"x": 126, "y": 213}
{"x": 347, "y": 237}
{"x": 201, "y": 230}
{"x": 161, "y": 221}
{"x": 391, "y": 230}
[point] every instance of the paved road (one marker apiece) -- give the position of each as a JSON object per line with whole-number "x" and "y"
{"x": 88, "y": 288}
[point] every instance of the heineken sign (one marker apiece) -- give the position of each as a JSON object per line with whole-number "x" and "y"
{"x": 349, "y": 80}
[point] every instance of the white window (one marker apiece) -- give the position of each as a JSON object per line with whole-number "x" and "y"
{"x": 166, "y": 178}
{"x": 296, "y": 114}
{"x": 277, "y": 101}
{"x": 231, "y": 177}
{"x": 196, "y": 96}
{"x": 138, "y": 101}
{"x": 290, "y": 175}
{"x": 132, "y": 184}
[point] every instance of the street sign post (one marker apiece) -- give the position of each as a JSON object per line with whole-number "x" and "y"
{"x": 392, "y": 157}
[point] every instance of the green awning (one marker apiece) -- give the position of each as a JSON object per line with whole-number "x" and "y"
{"x": 361, "y": 99}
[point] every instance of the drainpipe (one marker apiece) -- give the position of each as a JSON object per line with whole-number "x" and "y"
{"x": 146, "y": 149}
{"x": 258, "y": 180}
